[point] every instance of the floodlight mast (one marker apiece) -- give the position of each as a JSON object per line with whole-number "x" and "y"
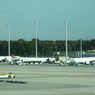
{"x": 81, "y": 44}
{"x": 7, "y": 23}
{"x": 35, "y": 23}
{"x": 66, "y": 38}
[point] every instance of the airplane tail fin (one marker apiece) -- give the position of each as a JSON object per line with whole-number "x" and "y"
{"x": 55, "y": 55}
{"x": 12, "y": 56}
{"x": 52, "y": 59}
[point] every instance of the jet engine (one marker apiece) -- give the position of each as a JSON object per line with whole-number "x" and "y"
{"x": 87, "y": 63}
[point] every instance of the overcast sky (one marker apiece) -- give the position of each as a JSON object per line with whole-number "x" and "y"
{"x": 49, "y": 14}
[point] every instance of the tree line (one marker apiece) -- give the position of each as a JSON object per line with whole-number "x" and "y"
{"x": 45, "y": 48}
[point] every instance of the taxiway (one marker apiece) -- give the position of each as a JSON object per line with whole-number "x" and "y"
{"x": 49, "y": 79}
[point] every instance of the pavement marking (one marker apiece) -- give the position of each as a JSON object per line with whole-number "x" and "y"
{"x": 80, "y": 77}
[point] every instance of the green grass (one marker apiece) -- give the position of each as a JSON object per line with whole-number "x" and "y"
{"x": 70, "y": 53}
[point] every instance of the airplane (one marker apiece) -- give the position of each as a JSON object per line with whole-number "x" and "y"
{"x": 2, "y": 58}
{"x": 5, "y": 58}
{"x": 85, "y": 60}
{"x": 26, "y": 61}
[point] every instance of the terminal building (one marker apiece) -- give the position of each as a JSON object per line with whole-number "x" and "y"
{"x": 77, "y": 54}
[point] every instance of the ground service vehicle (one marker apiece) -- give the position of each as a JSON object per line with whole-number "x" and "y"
{"x": 10, "y": 75}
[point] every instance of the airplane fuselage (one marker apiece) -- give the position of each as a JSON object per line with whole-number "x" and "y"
{"x": 87, "y": 60}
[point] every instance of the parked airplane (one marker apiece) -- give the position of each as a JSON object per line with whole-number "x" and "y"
{"x": 1, "y": 58}
{"x": 26, "y": 61}
{"x": 5, "y": 58}
{"x": 87, "y": 61}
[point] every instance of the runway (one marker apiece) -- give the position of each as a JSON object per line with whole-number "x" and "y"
{"x": 49, "y": 79}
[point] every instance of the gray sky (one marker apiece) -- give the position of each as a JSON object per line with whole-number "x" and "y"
{"x": 49, "y": 14}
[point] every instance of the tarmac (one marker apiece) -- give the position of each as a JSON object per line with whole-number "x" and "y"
{"x": 48, "y": 79}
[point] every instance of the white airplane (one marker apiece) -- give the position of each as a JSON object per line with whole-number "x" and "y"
{"x": 5, "y": 58}
{"x": 2, "y": 58}
{"x": 26, "y": 61}
{"x": 87, "y": 61}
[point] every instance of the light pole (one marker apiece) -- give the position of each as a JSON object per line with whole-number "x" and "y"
{"x": 35, "y": 23}
{"x": 81, "y": 44}
{"x": 66, "y": 38}
{"x": 7, "y": 23}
